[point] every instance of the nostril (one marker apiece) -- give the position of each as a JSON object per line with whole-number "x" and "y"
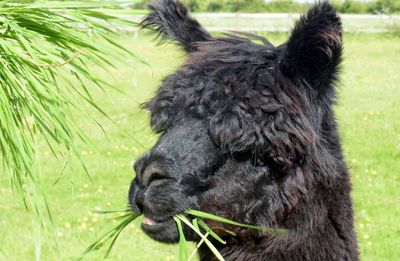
{"x": 153, "y": 174}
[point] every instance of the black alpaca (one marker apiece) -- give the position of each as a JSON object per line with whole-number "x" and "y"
{"x": 247, "y": 132}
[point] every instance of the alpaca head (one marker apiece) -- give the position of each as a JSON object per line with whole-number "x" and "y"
{"x": 241, "y": 124}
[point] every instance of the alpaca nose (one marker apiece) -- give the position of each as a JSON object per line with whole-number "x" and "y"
{"x": 145, "y": 176}
{"x": 139, "y": 199}
{"x": 136, "y": 196}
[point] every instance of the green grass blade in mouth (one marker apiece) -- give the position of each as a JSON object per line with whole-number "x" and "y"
{"x": 208, "y": 243}
{"x": 273, "y": 231}
{"x": 210, "y": 231}
{"x": 196, "y": 225}
{"x": 182, "y": 241}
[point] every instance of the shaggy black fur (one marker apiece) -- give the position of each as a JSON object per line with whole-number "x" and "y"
{"x": 247, "y": 132}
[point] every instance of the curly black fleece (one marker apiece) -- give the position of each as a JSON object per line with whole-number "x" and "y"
{"x": 248, "y": 132}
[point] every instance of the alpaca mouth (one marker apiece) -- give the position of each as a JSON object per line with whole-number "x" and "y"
{"x": 162, "y": 230}
{"x": 149, "y": 221}
{"x": 152, "y": 225}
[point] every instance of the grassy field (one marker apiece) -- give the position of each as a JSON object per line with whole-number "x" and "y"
{"x": 369, "y": 124}
{"x": 274, "y": 22}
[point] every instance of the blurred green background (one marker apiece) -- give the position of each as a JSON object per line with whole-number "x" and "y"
{"x": 369, "y": 121}
{"x": 286, "y": 6}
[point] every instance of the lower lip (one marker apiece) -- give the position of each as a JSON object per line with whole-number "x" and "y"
{"x": 152, "y": 226}
{"x": 150, "y": 222}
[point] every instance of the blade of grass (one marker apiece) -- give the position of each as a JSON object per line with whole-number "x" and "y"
{"x": 208, "y": 243}
{"x": 211, "y": 232}
{"x": 208, "y": 230}
{"x": 43, "y": 44}
{"x": 198, "y": 246}
{"x": 112, "y": 235}
{"x": 274, "y": 231}
{"x": 182, "y": 241}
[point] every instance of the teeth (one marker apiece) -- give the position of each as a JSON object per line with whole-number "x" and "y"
{"x": 149, "y": 221}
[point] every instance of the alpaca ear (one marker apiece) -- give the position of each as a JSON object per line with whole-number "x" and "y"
{"x": 313, "y": 51}
{"x": 171, "y": 20}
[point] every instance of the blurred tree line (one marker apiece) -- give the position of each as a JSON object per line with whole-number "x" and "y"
{"x": 286, "y": 6}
